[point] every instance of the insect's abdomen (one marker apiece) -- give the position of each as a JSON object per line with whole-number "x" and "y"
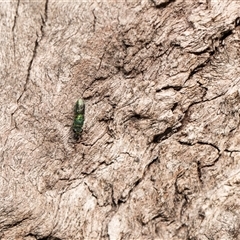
{"x": 78, "y": 118}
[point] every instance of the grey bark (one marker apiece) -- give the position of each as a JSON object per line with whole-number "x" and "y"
{"x": 159, "y": 154}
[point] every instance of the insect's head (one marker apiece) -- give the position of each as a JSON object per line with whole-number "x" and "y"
{"x": 80, "y": 106}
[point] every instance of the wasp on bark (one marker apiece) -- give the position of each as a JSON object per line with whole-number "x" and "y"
{"x": 78, "y": 122}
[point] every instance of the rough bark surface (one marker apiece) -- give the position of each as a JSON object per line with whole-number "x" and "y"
{"x": 159, "y": 154}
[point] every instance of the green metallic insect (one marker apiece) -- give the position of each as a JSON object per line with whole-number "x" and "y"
{"x": 78, "y": 118}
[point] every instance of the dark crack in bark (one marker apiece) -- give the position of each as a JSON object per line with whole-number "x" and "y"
{"x": 210, "y": 144}
{"x": 94, "y": 21}
{"x": 186, "y": 112}
{"x": 16, "y": 223}
{"x": 164, "y": 135}
{"x": 204, "y": 143}
{"x": 13, "y": 28}
{"x": 232, "y": 151}
{"x": 162, "y": 4}
{"x": 91, "y": 191}
{"x": 49, "y": 237}
{"x": 139, "y": 180}
{"x": 198, "y": 68}
{"x": 29, "y": 70}
{"x": 237, "y": 22}
{"x": 176, "y": 88}
{"x": 15, "y": 17}
{"x": 44, "y": 20}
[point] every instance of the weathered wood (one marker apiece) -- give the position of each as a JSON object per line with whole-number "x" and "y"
{"x": 159, "y": 154}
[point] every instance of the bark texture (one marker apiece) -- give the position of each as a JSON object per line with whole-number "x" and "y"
{"x": 159, "y": 156}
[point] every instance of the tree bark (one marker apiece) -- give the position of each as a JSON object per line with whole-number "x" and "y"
{"x": 159, "y": 154}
